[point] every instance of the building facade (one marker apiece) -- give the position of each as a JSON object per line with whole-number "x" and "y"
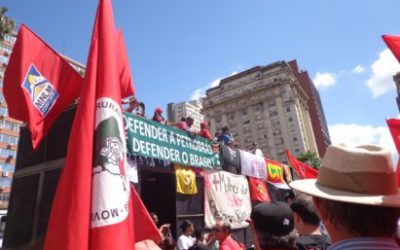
{"x": 9, "y": 128}
{"x": 317, "y": 115}
{"x": 184, "y": 109}
{"x": 396, "y": 79}
{"x": 266, "y": 105}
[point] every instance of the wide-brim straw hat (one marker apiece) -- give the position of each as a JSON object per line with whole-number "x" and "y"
{"x": 361, "y": 175}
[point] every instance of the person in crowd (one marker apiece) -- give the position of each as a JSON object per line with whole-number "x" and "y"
{"x": 223, "y": 231}
{"x": 133, "y": 106}
{"x": 225, "y": 137}
{"x": 186, "y": 240}
{"x": 199, "y": 244}
{"x": 356, "y": 197}
{"x": 256, "y": 150}
{"x": 142, "y": 110}
{"x": 164, "y": 228}
{"x": 182, "y": 124}
{"x": 306, "y": 222}
{"x": 204, "y": 132}
{"x": 157, "y": 117}
{"x": 216, "y": 136}
{"x": 272, "y": 226}
{"x": 189, "y": 123}
{"x": 168, "y": 244}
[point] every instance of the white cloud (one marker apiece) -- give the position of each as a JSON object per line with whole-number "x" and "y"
{"x": 358, "y": 69}
{"x": 383, "y": 70}
{"x": 356, "y": 134}
{"x": 324, "y": 80}
{"x": 201, "y": 92}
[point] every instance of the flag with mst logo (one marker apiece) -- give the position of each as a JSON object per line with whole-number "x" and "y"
{"x": 38, "y": 84}
{"x": 93, "y": 207}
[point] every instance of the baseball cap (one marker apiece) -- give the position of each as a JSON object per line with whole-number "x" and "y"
{"x": 275, "y": 218}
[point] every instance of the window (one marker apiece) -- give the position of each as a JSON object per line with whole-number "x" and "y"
{"x": 3, "y": 111}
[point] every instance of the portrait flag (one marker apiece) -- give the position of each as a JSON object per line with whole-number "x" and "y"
{"x": 303, "y": 170}
{"x": 258, "y": 190}
{"x": 93, "y": 207}
{"x": 39, "y": 84}
{"x": 393, "y": 42}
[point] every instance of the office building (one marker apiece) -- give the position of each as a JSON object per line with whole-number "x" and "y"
{"x": 184, "y": 109}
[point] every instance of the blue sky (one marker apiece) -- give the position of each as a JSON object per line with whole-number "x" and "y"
{"x": 179, "y": 48}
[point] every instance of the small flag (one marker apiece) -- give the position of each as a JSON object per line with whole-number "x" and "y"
{"x": 304, "y": 171}
{"x": 258, "y": 190}
{"x": 185, "y": 180}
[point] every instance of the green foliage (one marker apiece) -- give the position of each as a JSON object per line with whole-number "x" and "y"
{"x": 311, "y": 159}
{"x": 7, "y": 25}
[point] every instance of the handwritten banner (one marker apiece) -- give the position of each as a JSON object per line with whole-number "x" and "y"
{"x": 152, "y": 139}
{"x": 227, "y": 198}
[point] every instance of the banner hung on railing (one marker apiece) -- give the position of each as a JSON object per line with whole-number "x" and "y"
{"x": 152, "y": 139}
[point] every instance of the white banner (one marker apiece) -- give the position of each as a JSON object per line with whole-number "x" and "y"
{"x": 227, "y": 198}
{"x": 253, "y": 165}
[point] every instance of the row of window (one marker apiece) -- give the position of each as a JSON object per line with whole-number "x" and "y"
{"x": 9, "y": 139}
{"x": 3, "y": 111}
{"x": 9, "y": 38}
{"x": 4, "y": 197}
{"x": 5, "y": 182}
{"x": 9, "y": 125}
{"x": 5, "y": 48}
{"x": 3, "y": 59}
{"x": 7, "y": 167}
{"x": 5, "y": 152}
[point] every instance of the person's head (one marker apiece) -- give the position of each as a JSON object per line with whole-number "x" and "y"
{"x": 168, "y": 244}
{"x": 189, "y": 121}
{"x": 155, "y": 218}
{"x": 187, "y": 227}
{"x": 225, "y": 130}
{"x": 222, "y": 229}
{"x": 143, "y": 106}
{"x": 183, "y": 119}
{"x": 274, "y": 225}
{"x": 355, "y": 191}
{"x": 133, "y": 102}
{"x": 305, "y": 214}
{"x": 199, "y": 234}
{"x": 158, "y": 111}
{"x": 203, "y": 125}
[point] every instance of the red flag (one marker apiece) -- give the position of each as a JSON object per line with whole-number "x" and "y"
{"x": 258, "y": 190}
{"x": 124, "y": 68}
{"x": 393, "y": 42}
{"x": 38, "y": 84}
{"x": 93, "y": 207}
{"x": 394, "y": 128}
{"x": 304, "y": 171}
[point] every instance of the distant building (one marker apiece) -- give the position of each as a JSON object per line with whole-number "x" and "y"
{"x": 396, "y": 79}
{"x": 184, "y": 109}
{"x": 9, "y": 128}
{"x": 317, "y": 115}
{"x": 266, "y": 105}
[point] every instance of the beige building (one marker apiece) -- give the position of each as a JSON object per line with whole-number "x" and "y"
{"x": 184, "y": 109}
{"x": 266, "y": 105}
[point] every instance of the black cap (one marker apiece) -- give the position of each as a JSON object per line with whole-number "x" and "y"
{"x": 275, "y": 218}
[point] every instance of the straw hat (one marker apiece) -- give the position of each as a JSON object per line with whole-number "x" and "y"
{"x": 362, "y": 175}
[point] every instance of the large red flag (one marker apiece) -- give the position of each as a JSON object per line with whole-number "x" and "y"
{"x": 393, "y": 42}
{"x": 93, "y": 206}
{"x": 38, "y": 84}
{"x": 304, "y": 171}
{"x": 394, "y": 128}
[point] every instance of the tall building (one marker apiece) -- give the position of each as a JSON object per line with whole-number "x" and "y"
{"x": 184, "y": 109}
{"x": 317, "y": 115}
{"x": 266, "y": 105}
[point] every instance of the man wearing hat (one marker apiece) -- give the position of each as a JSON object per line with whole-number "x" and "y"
{"x": 356, "y": 196}
{"x": 272, "y": 225}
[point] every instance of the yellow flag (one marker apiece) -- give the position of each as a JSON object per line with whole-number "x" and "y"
{"x": 185, "y": 180}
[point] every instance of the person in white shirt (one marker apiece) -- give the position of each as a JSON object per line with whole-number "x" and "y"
{"x": 186, "y": 240}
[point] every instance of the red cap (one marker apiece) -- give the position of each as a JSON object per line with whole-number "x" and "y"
{"x": 158, "y": 110}
{"x": 203, "y": 124}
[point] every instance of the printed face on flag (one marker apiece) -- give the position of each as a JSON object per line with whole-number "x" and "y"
{"x": 110, "y": 191}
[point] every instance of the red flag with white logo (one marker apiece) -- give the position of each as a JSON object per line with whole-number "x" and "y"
{"x": 38, "y": 84}
{"x": 303, "y": 170}
{"x": 93, "y": 206}
{"x": 393, "y": 42}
